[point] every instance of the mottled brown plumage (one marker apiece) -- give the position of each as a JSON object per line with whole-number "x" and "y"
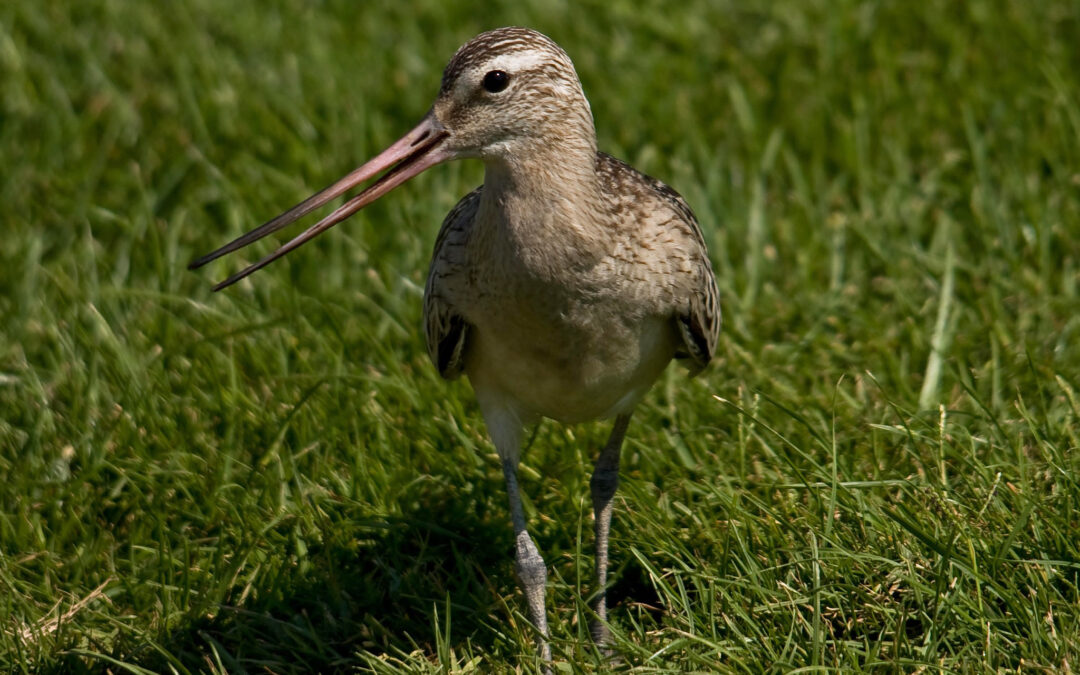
{"x": 535, "y": 287}
{"x": 563, "y": 286}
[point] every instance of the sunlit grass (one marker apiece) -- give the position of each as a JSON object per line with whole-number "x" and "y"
{"x": 881, "y": 472}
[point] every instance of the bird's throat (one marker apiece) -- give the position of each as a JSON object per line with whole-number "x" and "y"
{"x": 546, "y": 213}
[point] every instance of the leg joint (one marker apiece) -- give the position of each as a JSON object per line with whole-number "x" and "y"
{"x": 531, "y": 567}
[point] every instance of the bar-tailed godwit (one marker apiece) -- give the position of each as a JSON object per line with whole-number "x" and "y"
{"x": 562, "y": 287}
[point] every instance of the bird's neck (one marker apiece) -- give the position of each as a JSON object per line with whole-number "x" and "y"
{"x": 543, "y": 209}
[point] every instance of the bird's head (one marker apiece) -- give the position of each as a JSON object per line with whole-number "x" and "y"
{"x": 507, "y": 94}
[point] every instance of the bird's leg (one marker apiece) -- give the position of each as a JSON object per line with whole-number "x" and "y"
{"x": 531, "y": 569}
{"x": 505, "y": 427}
{"x": 605, "y": 479}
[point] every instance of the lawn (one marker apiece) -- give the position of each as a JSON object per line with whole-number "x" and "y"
{"x": 879, "y": 473}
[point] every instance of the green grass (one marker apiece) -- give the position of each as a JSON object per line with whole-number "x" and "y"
{"x": 879, "y": 474}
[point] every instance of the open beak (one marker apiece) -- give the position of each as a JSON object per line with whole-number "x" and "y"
{"x": 420, "y": 149}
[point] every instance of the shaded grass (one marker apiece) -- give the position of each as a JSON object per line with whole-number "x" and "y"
{"x": 880, "y": 474}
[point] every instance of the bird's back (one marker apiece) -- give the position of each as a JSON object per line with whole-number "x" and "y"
{"x": 664, "y": 252}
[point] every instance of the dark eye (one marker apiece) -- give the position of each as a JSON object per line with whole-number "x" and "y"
{"x": 496, "y": 81}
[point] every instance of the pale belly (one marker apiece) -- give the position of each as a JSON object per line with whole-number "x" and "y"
{"x": 570, "y": 371}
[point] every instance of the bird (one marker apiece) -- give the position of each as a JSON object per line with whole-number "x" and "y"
{"x": 562, "y": 287}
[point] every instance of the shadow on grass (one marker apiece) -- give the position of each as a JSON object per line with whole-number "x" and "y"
{"x": 373, "y": 586}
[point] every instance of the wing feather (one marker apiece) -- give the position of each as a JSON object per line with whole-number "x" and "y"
{"x": 446, "y": 330}
{"x": 696, "y": 305}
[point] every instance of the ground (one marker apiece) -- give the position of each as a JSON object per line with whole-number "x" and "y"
{"x": 880, "y": 472}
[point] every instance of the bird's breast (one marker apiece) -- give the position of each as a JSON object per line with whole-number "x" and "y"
{"x": 562, "y": 325}
{"x": 564, "y": 352}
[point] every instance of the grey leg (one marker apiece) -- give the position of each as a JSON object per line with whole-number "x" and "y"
{"x": 531, "y": 569}
{"x": 605, "y": 479}
{"x": 505, "y": 427}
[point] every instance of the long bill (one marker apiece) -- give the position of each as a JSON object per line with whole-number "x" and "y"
{"x": 416, "y": 151}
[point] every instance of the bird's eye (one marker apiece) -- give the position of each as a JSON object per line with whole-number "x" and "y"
{"x": 496, "y": 80}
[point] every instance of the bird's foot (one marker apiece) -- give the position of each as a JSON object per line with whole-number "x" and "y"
{"x": 601, "y": 636}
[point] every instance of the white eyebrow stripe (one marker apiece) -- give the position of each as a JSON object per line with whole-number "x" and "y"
{"x": 515, "y": 63}
{"x": 518, "y": 61}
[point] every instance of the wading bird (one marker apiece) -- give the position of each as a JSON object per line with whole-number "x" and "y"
{"x": 562, "y": 287}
